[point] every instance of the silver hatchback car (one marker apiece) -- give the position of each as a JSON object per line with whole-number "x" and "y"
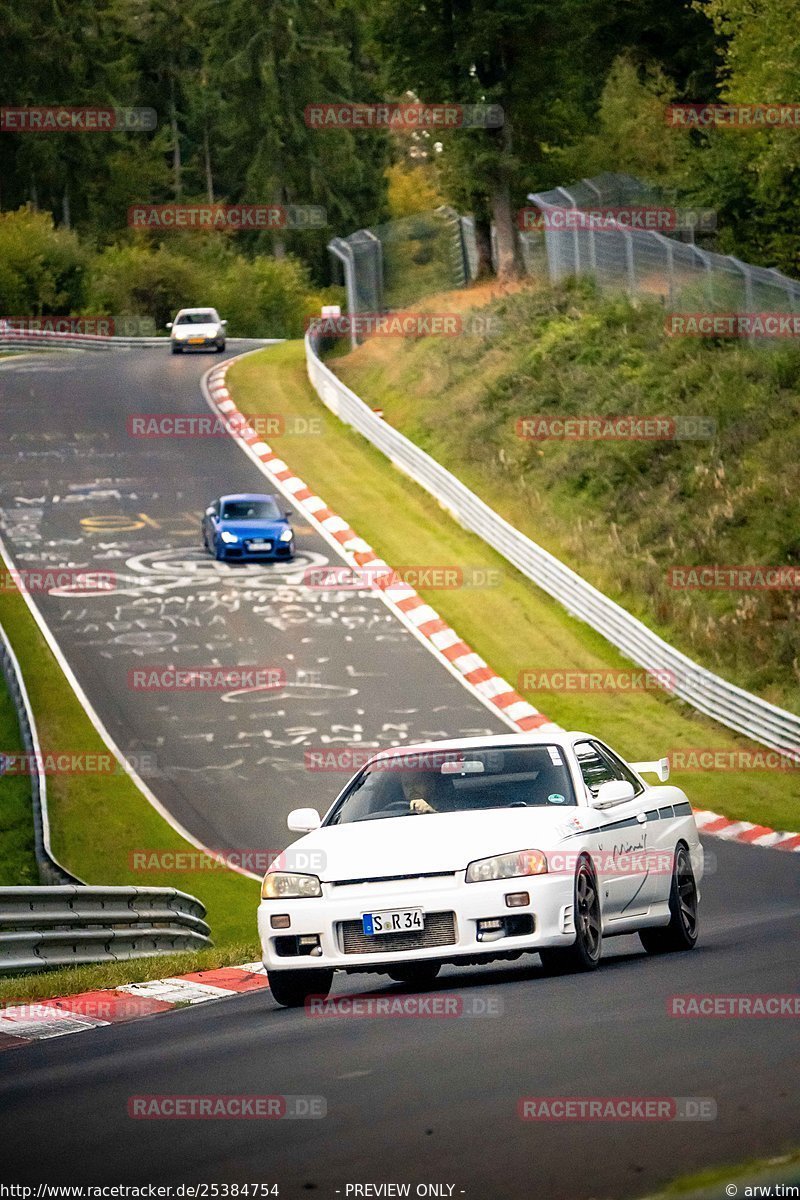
{"x": 197, "y": 329}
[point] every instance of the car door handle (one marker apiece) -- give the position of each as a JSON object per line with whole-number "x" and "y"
{"x": 641, "y": 818}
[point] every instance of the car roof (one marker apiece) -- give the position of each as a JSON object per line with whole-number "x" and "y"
{"x": 203, "y": 308}
{"x": 249, "y": 496}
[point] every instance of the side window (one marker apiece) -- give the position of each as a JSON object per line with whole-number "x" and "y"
{"x": 595, "y": 767}
{"x": 216, "y": 508}
{"x": 622, "y": 770}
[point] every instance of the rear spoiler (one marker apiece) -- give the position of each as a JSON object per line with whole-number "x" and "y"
{"x": 660, "y": 768}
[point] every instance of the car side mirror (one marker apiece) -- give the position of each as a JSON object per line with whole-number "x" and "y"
{"x": 210, "y": 510}
{"x": 288, "y": 513}
{"x": 613, "y": 791}
{"x": 169, "y": 325}
{"x": 223, "y": 322}
{"x": 303, "y": 820}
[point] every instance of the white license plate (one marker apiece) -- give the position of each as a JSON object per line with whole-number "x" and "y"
{"x": 260, "y": 544}
{"x": 393, "y": 920}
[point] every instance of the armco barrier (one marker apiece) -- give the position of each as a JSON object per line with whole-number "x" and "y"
{"x": 50, "y": 869}
{"x": 47, "y": 927}
{"x": 46, "y": 340}
{"x": 699, "y": 687}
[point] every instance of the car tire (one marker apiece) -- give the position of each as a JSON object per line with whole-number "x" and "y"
{"x": 219, "y": 553}
{"x": 421, "y": 974}
{"x": 291, "y": 989}
{"x": 220, "y": 347}
{"x": 176, "y": 349}
{"x": 681, "y": 932}
{"x": 586, "y": 951}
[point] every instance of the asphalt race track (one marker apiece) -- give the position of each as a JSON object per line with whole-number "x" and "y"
{"x": 434, "y": 1100}
{"x": 79, "y": 491}
{"x": 409, "y": 1100}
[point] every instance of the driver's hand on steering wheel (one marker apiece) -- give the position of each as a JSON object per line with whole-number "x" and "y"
{"x": 418, "y": 805}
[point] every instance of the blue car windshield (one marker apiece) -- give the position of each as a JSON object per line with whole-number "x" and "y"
{"x": 414, "y": 784}
{"x": 251, "y": 510}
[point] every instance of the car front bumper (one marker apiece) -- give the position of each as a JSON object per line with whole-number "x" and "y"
{"x": 242, "y": 553}
{"x": 452, "y": 909}
{"x": 201, "y": 343}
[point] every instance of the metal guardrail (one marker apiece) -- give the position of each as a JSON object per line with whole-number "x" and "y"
{"x": 702, "y": 689}
{"x": 35, "y": 340}
{"x": 69, "y": 922}
{"x": 46, "y": 339}
{"x": 50, "y": 869}
{"x": 46, "y": 927}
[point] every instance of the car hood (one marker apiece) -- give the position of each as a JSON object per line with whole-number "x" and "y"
{"x": 251, "y": 529}
{"x": 207, "y": 330}
{"x": 434, "y": 841}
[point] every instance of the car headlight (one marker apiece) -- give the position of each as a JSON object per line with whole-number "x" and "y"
{"x": 287, "y": 885}
{"x": 507, "y": 866}
{"x": 228, "y": 538}
{"x": 287, "y": 535}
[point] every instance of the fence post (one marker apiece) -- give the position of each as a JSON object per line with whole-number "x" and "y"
{"x": 748, "y": 289}
{"x": 378, "y": 251}
{"x": 344, "y": 253}
{"x": 706, "y": 260}
{"x": 629, "y": 260}
{"x": 576, "y": 242}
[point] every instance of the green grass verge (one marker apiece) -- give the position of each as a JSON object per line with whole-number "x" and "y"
{"x": 709, "y": 1183}
{"x": 621, "y": 513}
{"x": 514, "y": 626}
{"x": 72, "y": 980}
{"x": 97, "y": 820}
{"x": 17, "y": 860}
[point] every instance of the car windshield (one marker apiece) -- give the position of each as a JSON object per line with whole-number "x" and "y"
{"x": 457, "y": 781}
{"x": 251, "y": 510}
{"x": 196, "y": 318}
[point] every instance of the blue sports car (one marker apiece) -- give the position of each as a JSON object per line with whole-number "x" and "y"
{"x": 248, "y": 527}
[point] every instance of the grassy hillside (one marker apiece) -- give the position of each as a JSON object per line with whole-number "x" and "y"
{"x": 622, "y": 513}
{"x": 512, "y": 625}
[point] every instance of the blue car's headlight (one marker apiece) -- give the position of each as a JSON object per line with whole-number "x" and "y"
{"x": 228, "y": 538}
{"x": 287, "y": 535}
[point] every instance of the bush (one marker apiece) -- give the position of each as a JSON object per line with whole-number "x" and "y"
{"x": 42, "y": 269}
{"x": 266, "y": 297}
{"x": 139, "y": 281}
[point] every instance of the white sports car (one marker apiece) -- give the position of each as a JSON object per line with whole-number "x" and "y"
{"x": 477, "y": 849}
